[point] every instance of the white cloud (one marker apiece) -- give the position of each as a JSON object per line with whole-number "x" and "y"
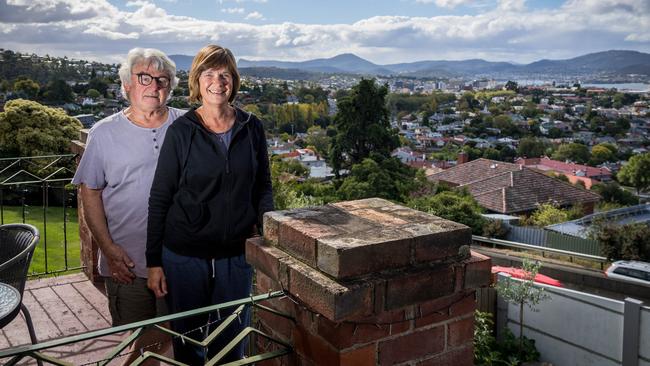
{"x": 233, "y": 10}
{"x": 446, "y": 3}
{"x": 136, "y": 3}
{"x": 508, "y": 31}
{"x": 244, "y": 1}
{"x": 254, "y": 15}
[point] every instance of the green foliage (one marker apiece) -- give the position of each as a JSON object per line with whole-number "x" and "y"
{"x": 283, "y": 178}
{"x": 530, "y": 147}
{"x": 613, "y": 193}
{"x": 546, "y": 214}
{"x": 58, "y": 91}
{"x": 512, "y": 85}
{"x": 27, "y": 88}
{"x": 629, "y": 242}
{"x": 485, "y": 343}
{"x": 292, "y": 118}
{"x": 311, "y": 95}
{"x": 467, "y": 102}
{"x": 602, "y": 153}
{"x": 317, "y": 137}
{"x": 28, "y": 128}
{"x": 378, "y": 177}
{"x": 486, "y": 95}
{"x": 362, "y": 126}
{"x": 290, "y": 166}
{"x": 285, "y": 197}
{"x": 412, "y": 103}
{"x": 458, "y": 206}
{"x": 93, "y": 93}
{"x": 495, "y": 229}
{"x": 101, "y": 85}
{"x": 575, "y": 152}
{"x": 523, "y": 292}
{"x": 636, "y": 172}
{"x": 488, "y": 351}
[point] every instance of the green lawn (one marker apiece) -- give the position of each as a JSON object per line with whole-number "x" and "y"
{"x": 53, "y": 236}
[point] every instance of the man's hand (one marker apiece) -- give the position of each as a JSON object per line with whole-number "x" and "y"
{"x": 156, "y": 281}
{"x": 119, "y": 264}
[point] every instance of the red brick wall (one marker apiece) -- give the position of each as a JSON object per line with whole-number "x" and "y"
{"x": 437, "y": 332}
{"x": 368, "y": 283}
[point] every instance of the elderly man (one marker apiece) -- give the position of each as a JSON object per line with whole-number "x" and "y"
{"x": 115, "y": 174}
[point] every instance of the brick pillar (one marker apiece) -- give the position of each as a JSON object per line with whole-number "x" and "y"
{"x": 89, "y": 246}
{"x": 369, "y": 282}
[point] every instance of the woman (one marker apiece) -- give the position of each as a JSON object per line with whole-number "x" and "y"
{"x": 211, "y": 187}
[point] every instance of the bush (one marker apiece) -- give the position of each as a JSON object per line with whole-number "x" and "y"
{"x": 546, "y": 214}
{"x": 495, "y": 229}
{"x": 628, "y": 242}
{"x": 458, "y": 206}
{"x": 613, "y": 193}
{"x": 488, "y": 351}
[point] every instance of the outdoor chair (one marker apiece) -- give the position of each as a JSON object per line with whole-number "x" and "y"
{"x": 17, "y": 244}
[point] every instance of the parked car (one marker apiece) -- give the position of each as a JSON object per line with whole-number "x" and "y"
{"x": 521, "y": 274}
{"x": 630, "y": 271}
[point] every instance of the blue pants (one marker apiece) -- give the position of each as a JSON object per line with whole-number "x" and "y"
{"x": 194, "y": 283}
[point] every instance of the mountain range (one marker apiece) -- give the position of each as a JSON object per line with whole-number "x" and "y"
{"x": 614, "y": 62}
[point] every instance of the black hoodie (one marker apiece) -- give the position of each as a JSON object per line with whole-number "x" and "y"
{"x": 205, "y": 203}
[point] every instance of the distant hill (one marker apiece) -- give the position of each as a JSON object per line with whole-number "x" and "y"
{"x": 346, "y": 63}
{"x": 278, "y": 73}
{"x": 607, "y": 61}
{"x": 614, "y": 62}
{"x": 182, "y": 62}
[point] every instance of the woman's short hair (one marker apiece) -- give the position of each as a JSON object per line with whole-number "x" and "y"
{"x": 209, "y": 57}
{"x": 147, "y": 56}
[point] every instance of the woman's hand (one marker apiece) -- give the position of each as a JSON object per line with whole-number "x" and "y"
{"x": 156, "y": 281}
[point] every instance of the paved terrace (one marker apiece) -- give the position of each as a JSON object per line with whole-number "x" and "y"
{"x": 64, "y": 306}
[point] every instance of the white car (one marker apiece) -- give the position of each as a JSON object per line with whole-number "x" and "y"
{"x": 630, "y": 271}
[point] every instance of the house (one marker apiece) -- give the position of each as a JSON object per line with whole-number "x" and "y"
{"x": 512, "y": 188}
{"x": 574, "y": 172}
{"x": 87, "y": 120}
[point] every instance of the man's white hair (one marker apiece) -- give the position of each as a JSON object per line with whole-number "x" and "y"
{"x": 147, "y": 56}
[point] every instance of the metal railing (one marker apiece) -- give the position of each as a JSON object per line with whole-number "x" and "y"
{"x": 37, "y": 351}
{"x": 512, "y": 244}
{"x": 34, "y": 190}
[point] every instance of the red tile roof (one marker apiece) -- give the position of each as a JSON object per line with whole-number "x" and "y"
{"x": 511, "y": 188}
{"x": 546, "y": 164}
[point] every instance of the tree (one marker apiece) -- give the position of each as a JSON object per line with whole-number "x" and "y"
{"x": 28, "y": 128}
{"x": 317, "y": 137}
{"x": 93, "y": 93}
{"x": 636, "y": 172}
{"x": 58, "y": 91}
{"x": 522, "y": 293}
{"x": 613, "y": 193}
{"x": 27, "y": 88}
{"x": 511, "y": 85}
{"x": 378, "y": 177}
{"x": 547, "y": 214}
{"x": 458, "y": 206}
{"x": 362, "y": 126}
{"x": 602, "y": 153}
{"x": 575, "y": 152}
{"x": 628, "y": 242}
{"x": 530, "y": 147}
{"x": 101, "y": 85}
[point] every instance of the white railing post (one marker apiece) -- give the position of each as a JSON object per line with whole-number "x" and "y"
{"x": 631, "y": 328}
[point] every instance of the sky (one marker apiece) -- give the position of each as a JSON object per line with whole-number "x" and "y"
{"x": 381, "y": 31}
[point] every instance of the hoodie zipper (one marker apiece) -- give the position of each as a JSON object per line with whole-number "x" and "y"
{"x": 237, "y": 128}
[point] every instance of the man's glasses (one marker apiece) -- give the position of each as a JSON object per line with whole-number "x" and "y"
{"x": 146, "y": 80}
